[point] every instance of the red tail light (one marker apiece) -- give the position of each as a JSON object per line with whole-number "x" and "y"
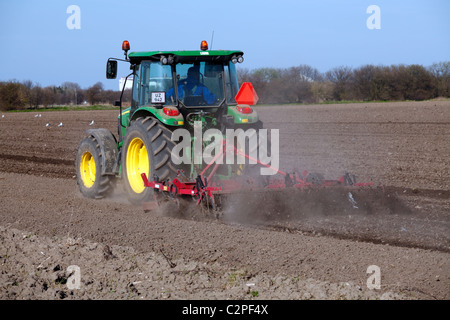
{"x": 172, "y": 112}
{"x": 244, "y": 109}
{"x": 125, "y": 45}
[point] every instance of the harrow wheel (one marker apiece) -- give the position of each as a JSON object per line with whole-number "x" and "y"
{"x": 146, "y": 149}
{"x": 91, "y": 182}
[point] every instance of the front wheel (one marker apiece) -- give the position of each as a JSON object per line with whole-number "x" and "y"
{"x": 146, "y": 149}
{"x": 91, "y": 182}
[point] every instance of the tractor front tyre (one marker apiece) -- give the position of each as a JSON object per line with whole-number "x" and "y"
{"x": 146, "y": 149}
{"x": 91, "y": 182}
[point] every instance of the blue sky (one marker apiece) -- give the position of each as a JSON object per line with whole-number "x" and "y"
{"x": 37, "y": 45}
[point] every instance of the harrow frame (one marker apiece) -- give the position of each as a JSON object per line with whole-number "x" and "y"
{"x": 204, "y": 188}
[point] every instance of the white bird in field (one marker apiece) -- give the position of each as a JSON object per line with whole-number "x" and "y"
{"x": 60, "y": 124}
{"x": 92, "y": 122}
{"x": 47, "y": 124}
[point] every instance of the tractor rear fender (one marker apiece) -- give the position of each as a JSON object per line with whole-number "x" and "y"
{"x": 158, "y": 113}
{"x": 108, "y": 147}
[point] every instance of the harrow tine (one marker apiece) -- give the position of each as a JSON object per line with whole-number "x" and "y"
{"x": 348, "y": 180}
{"x": 288, "y": 181}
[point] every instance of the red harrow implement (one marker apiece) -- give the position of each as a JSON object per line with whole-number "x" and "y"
{"x": 206, "y": 190}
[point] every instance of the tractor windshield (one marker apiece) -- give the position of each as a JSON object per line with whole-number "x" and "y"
{"x": 199, "y": 84}
{"x": 205, "y": 83}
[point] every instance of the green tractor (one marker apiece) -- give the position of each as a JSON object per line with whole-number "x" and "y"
{"x": 171, "y": 90}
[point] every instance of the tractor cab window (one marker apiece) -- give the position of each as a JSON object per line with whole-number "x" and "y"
{"x": 155, "y": 77}
{"x": 231, "y": 82}
{"x": 135, "y": 96}
{"x": 200, "y": 83}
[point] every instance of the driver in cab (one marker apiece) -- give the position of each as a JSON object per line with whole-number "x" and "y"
{"x": 192, "y": 86}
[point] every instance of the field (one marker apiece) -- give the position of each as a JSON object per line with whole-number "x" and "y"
{"x": 285, "y": 247}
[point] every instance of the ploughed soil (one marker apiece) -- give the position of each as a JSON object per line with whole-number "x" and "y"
{"x": 297, "y": 244}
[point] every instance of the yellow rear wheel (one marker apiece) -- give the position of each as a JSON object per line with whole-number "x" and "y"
{"x": 146, "y": 149}
{"x": 136, "y": 164}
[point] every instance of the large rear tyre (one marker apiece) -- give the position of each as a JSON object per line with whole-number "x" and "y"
{"x": 146, "y": 149}
{"x": 91, "y": 182}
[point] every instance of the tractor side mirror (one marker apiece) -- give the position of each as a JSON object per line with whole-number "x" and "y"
{"x": 111, "y": 69}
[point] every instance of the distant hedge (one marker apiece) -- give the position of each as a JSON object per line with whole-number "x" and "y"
{"x": 300, "y": 84}
{"x": 305, "y": 84}
{"x": 16, "y": 95}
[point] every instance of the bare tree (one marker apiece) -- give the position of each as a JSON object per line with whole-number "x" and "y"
{"x": 441, "y": 73}
{"x": 12, "y": 96}
{"x": 341, "y": 77}
{"x": 418, "y": 83}
{"x": 297, "y": 83}
{"x": 27, "y": 86}
{"x": 244, "y": 75}
{"x": 364, "y": 86}
{"x": 93, "y": 93}
{"x": 49, "y": 96}
{"x": 71, "y": 92}
{"x": 36, "y": 97}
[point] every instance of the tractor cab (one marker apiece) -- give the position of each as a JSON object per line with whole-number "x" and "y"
{"x": 187, "y": 84}
{"x": 185, "y": 79}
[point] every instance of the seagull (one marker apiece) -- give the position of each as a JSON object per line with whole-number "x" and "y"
{"x": 92, "y": 122}
{"x": 47, "y": 124}
{"x": 60, "y": 125}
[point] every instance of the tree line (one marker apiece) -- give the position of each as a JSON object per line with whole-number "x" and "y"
{"x": 300, "y": 84}
{"x": 305, "y": 84}
{"x": 16, "y": 95}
